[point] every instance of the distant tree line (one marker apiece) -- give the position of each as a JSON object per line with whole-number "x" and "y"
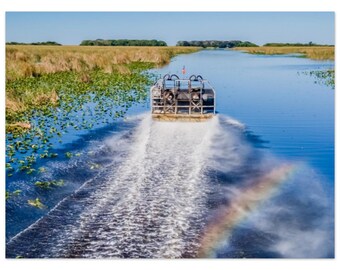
{"x": 294, "y": 44}
{"x": 35, "y": 43}
{"x": 123, "y": 42}
{"x": 216, "y": 43}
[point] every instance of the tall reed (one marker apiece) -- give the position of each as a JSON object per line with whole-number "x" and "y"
{"x": 316, "y": 53}
{"x": 33, "y": 61}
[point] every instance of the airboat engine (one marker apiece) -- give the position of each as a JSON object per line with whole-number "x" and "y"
{"x": 169, "y": 96}
{"x": 173, "y": 98}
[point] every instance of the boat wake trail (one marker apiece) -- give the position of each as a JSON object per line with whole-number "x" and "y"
{"x": 186, "y": 190}
{"x": 151, "y": 205}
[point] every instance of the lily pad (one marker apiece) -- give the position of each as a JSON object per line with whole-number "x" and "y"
{"x": 36, "y": 203}
{"x": 49, "y": 184}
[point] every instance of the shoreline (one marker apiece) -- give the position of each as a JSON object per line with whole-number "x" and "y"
{"x": 312, "y": 52}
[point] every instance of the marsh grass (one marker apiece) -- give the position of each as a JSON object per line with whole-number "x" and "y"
{"x": 51, "y": 91}
{"x": 316, "y": 53}
{"x": 26, "y": 64}
{"x": 33, "y": 61}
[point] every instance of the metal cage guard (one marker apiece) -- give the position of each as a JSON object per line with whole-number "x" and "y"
{"x": 174, "y": 96}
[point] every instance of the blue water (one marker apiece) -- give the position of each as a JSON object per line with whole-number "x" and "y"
{"x": 271, "y": 96}
{"x": 138, "y": 188}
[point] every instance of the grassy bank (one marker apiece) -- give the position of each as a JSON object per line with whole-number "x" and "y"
{"x": 51, "y": 91}
{"x": 326, "y": 77}
{"x": 29, "y": 68}
{"x": 316, "y": 53}
{"x": 33, "y": 61}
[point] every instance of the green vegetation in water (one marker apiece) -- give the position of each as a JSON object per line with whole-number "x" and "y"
{"x": 326, "y": 77}
{"x": 68, "y": 154}
{"x": 58, "y": 103}
{"x": 55, "y": 90}
{"x": 11, "y": 194}
{"x": 49, "y": 184}
{"x": 36, "y": 203}
{"x": 42, "y": 170}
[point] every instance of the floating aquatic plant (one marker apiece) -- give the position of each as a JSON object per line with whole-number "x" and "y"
{"x": 42, "y": 107}
{"x": 42, "y": 170}
{"x": 68, "y": 154}
{"x": 105, "y": 99}
{"x": 30, "y": 171}
{"x": 326, "y": 77}
{"x": 36, "y": 203}
{"x": 14, "y": 193}
{"x": 49, "y": 184}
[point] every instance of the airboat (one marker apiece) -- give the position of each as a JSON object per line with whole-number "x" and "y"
{"x": 175, "y": 99}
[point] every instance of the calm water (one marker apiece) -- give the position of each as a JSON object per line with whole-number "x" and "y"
{"x": 292, "y": 114}
{"x": 257, "y": 181}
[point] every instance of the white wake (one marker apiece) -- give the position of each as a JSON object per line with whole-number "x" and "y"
{"x": 166, "y": 183}
{"x": 152, "y": 203}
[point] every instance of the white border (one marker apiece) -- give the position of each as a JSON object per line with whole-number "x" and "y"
{"x": 173, "y": 5}
{"x": 157, "y": 5}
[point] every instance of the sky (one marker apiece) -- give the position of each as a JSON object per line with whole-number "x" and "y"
{"x": 70, "y": 28}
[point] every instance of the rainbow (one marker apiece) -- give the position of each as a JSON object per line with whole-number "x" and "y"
{"x": 219, "y": 231}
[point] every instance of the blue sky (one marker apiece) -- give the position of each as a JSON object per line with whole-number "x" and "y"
{"x": 259, "y": 27}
